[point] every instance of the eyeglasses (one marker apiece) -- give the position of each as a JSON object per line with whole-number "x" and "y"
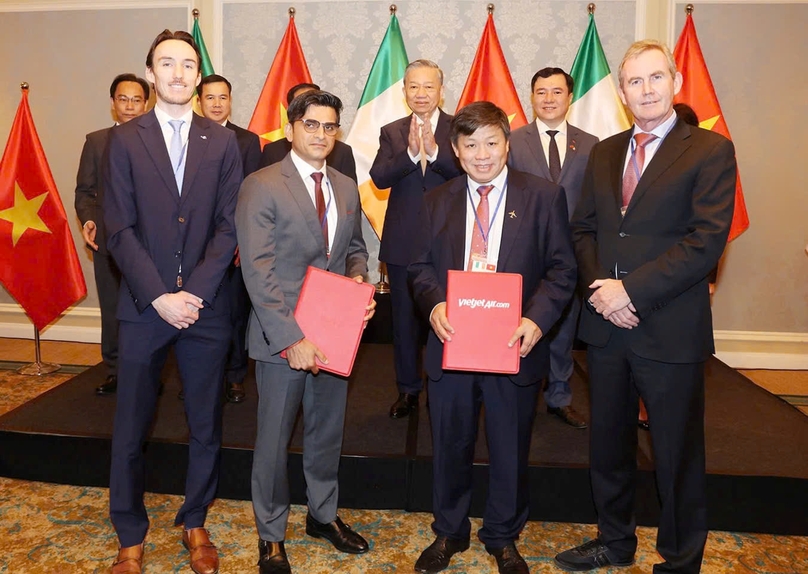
{"x": 311, "y": 126}
{"x": 123, "y": 100}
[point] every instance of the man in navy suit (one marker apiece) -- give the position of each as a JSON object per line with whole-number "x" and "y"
{"x": 526, "y": 232}
{"x": 555, "y": 150}
{"x": 171, "y": 180}
{"x": 215, "y": 100}
{"x": 414, "y": 156}
{"x": 128, "y": 96}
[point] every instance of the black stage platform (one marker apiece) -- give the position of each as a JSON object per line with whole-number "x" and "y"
{"x": 756, "y": 449}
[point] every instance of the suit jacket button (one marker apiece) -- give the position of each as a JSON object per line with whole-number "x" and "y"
{"x": 181, "y": 219}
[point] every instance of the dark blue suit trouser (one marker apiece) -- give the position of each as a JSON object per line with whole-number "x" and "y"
{"x": 407, "y": 330}
{"x": 200, "y": 352}
{"x": 454, "y": 408}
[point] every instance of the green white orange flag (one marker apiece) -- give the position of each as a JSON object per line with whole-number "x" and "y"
{"x": 490, "y": 80}
{"x": 698, "y": 92}
{"x": 288, "y": 70}
{"x": 596, "y": 108}
{"x": 38, "y": 262}
{"x": 382, "y": 102}
{"x": 205, "y": 66}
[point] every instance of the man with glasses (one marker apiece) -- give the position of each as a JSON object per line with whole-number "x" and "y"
{"x": 291, "y": 215}
{"x": 128, "y": 95}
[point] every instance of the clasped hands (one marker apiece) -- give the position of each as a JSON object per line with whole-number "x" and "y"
{"x": 418, "y": 133}
{"x": 303, "y": 355}
{"x": 180, "y": 309}
{"x": 611, "y": 300}
{"x": 527, "y": 330}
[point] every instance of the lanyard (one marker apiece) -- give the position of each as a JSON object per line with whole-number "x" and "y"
{"x": 633, "y": 146}
{"x": 483, "y": 234}
{"x": 327, "y": 205}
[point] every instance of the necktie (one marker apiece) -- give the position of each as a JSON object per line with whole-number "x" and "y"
{"x": 554, "y": 159}
{"x": 319, "y": 201}
{"x": 175, "y": 152}
{"x": 634, "y": 167}
{"x": 478, "y": 243}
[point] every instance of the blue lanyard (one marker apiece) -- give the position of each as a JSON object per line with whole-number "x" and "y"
{"x": 492, "y": 218}
{"x": 327, "y": 205}
{"x": 633, "y": 146}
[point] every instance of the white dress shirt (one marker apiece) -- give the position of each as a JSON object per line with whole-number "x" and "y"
{"x": 496, "y": 196}
{"x": 661, "y": 131}
{"x": 168, "y": 132}
{"x": 560, "y": 138}
{"x": 305, "y": 170}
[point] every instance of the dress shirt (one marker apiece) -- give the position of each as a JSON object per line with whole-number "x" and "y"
{"x": 305, "y": 170}
{"x": 433, "y": 121}
{"x": 560, "y": 138}
{"x": 661, "y": 131}
{"x": 495, "y": 225}
{"x": 168, "y": 132}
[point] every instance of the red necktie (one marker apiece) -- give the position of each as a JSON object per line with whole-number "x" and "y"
{"x": 319, "y": 201}
{"x": 635, "y": 165}
{"x": 478, "y": 243}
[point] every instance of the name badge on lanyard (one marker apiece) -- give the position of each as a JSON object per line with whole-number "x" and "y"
{"x": 479, "y": 262}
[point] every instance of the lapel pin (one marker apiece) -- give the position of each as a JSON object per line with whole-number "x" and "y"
{"x": 204, "y": 137}
{"x": 572, "y": 145}
{"x": 512, "y": 215}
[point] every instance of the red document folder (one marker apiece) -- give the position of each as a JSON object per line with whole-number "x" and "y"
{"x": 484, "y": 309}
{"x": 330, "y": 312}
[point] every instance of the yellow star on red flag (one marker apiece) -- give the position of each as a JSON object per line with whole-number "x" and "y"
{"x": 24, "y": 215}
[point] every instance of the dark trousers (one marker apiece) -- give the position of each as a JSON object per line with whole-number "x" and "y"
{"x": 407, "y": 331}
{"x": 200, "y": 352}
{"x": 558, "y": 392}
{"x": 108, "y": 284}
{"x": 674, "y": 397}
{"x": 236, "y": 365}
{"x": 454, "y": 408}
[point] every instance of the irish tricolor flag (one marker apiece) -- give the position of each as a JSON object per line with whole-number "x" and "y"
{"x": 382, "y": 102}
{"x": 596, "y": 108}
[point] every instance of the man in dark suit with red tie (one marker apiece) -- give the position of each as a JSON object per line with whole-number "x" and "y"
{"x": 512, "y": 222}
{"x": 652, "y": 222}
{"x": 128, "y": 96}
{"x": 414, "y": 156}
{"x": 171, "y": 181}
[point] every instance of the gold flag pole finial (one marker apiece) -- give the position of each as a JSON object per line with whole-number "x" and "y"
{"x": 393, "y": 9}
{"x": 590, "y": 9}
{"x": 195, "y": 13}
{"x": 689, "y": 9}
{"x": 24, "y": 86}
{"x": 490, "y": 8}
{"x": 292, "y": 11}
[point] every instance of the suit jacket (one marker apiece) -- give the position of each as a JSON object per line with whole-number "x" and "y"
{"x": 152, "y": 229}
{"x": 535, "y": 243}
{"x": 527, "y": 154}
{"x": 341, "y": 157}
{"x": 279, "y": 237}
{"x": 249, "y": 146}
{"x": 89, "y": 191}
{"x": 673, "y": 232}
{"x": 393, "y": 168}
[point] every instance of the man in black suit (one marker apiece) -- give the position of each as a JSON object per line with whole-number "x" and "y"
{"x": 128, "y": 96}
{"x": 171, "y": 181}
{"x": 652, "y": 223}
{"x": 415, "y": 155}
{"x": 526, "y": 232}
{"x": 555, "y": 150}
{"x": 341, "y": 157}
{"x": 215, "y": 100}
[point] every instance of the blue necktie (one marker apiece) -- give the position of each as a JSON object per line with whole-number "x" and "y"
{"x": 175, "y": 153}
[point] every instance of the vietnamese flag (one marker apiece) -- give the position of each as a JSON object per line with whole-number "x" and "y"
{"x": 489, "y": 78}
{"x": 698, "y": 92}
{"x": 288, "y": 69}
{"x": 38, "y": 261}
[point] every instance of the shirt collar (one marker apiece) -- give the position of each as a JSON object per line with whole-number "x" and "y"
{"x": 498, "y": 182}
{"x": 433, "y": 119}
{"x": 661, "y": 130}
{"x": 542, "y": 127}
{"x": 163, "y": 118}
{"x": 304, "y": 169}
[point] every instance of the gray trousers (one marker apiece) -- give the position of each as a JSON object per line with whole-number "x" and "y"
{"x": 281, "y": 391}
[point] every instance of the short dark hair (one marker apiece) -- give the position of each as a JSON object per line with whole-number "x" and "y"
{"x": 214, "y": 79}
{"x": 687, "y": 114}
{"x": 167, "y": 34}
{"x": 297, "y": 109}
{"x": 476, "y": 115}
{"x": 290, "y": 95}
{"x": 547, "y": 72}
{"x": 129, "y": 78}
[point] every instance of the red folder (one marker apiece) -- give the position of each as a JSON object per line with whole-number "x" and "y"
{"x": 330, "y": 312}
{"x": 484, "y": 309}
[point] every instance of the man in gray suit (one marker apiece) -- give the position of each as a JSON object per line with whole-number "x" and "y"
{"x": 555, "y": 150}
{"x": 290, "y": 215}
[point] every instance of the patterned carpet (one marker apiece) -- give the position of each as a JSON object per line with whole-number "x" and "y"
{"x": 49, "y": 529}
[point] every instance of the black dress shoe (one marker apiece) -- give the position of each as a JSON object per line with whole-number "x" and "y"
{"x": 404, "y": 405}
{"x": 509, "y": 561}
{"x": 588, "y": 556}
{"x": 272, "y": 558}
{"x": 235, "y": 393}
{"x": 337, "y": 533}
{"x": 437, "y": 555}
{"x": 569, "y": 416}
{"x": 644, "y": 424}
{"x": 108, "y": 387}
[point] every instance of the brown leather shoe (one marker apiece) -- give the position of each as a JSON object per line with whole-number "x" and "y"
{"x": 569, "y": 415}
{"x": 129, "y": 560}
{"x": 204, "y": 557}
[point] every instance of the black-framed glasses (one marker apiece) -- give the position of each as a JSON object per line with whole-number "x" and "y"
{"x": 311, "y": 126}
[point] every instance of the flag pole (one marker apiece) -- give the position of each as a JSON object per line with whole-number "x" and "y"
{"x": 490, "y": 8}
{"x": 590, "y": 9}
{"x": 38, "y": 368}
{"x": 689, "y": 9}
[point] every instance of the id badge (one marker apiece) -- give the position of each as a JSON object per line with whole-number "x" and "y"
{"x": 480, "y": 264}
